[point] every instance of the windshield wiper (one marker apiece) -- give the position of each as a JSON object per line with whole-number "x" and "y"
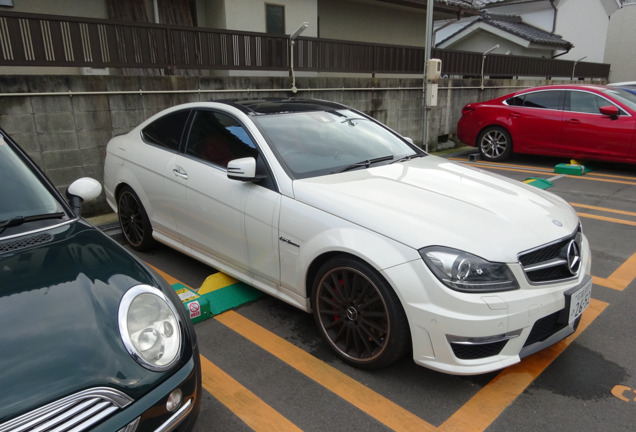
{"x": 409, "y": 157}
{"x": 365, "y": 163}
{"x": 19, "y": 220}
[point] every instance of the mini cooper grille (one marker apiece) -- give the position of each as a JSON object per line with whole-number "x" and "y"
{"x": 78, "y": 412}
{"x": 553, "y": 262}
{"x": 25, "y": 242}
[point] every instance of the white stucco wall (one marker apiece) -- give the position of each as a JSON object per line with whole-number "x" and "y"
{"x": 372, "y": 21}
{"x": 620, "y": 50}
{"x": 585, "y": 24}
{"x": 249, "y": 15}
{"x": 481, "y": 41}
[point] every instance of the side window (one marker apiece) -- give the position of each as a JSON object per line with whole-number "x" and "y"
{"x": 586, "y": 102}
{"x": 549, "y": 99}
{"x": 275, "y": 19}
{"x": 167, "y": 131}
{"x": 218, "y": 138}
{"x": 515, "y": 100}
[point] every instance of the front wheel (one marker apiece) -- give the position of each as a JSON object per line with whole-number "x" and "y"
{"x": 134, "y": 220}
{"x": 495, "y": 144}
{"x": 358, "y": 313}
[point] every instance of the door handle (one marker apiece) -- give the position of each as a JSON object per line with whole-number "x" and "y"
{"x": 179, "y": 172}
{"x": 573, "y": 121}
{"x": 514, "y": 114}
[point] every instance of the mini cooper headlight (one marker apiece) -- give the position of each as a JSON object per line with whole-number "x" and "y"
{"x": 150, "y": 328}
{"x": 465, "y": 272}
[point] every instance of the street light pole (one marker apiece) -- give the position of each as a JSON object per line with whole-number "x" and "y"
{"x": 574, "y": 67}
{"x": 292, "y": 42}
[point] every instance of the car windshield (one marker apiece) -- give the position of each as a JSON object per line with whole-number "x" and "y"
{"x": 315, "y": 143}
{"x": 623, "y": 96}
{"x": 23, "y": 197}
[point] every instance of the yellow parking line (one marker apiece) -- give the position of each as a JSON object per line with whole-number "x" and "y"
{"x": 360, "y": 396}
{"x": 604, "y": 209}
{"x": 607, "y": 219}
{"x": 489, "y": 402}
{"x": 243, "y": 403}
{"x": 531, "y": 170}
{"x": 622, "y": 276}
{"x": 171, "y": 280}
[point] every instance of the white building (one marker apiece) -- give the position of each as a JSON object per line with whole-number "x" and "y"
{"x": 582, "y": 23}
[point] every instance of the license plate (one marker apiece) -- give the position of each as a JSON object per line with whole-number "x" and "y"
{"x": 579, "y": 300}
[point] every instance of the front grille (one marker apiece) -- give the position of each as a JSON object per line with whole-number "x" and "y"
{"x": 78, "y": 412}
{"x": 550, "y": 263}
{"x": 25, "y": 242}
{"x": 477, "y": 351}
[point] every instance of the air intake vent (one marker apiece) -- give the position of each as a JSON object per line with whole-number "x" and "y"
{"x": 25, "y": 242}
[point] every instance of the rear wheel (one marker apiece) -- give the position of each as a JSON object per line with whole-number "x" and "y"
{"x": 358, "y": 313}
{"x": 495, "y": 144}
{"x": 134, "y": 220}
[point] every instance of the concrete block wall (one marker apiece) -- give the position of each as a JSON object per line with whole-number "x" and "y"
{"x": 65, "y": 122}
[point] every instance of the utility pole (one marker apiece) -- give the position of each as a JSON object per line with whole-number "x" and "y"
{"x": 427, "y": 57}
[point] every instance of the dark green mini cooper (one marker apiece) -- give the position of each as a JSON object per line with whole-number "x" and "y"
{"x": 92, "y": 339}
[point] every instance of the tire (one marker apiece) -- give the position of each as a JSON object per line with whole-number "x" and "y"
{"x": 134, "y": 221}
{"x": 359, "y": 314}
{"x": 495, "y": 144}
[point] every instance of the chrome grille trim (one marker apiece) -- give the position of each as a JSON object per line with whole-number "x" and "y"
{"x": 75, "y": 413}
{"x": 550, "y": 262}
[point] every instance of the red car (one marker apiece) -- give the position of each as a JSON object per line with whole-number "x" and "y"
{"x": 587, "y": 122}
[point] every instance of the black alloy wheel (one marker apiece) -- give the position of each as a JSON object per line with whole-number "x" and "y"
{"x": 134, "y": 221}
{"x": 495, "y": 144}
{"x": 358, "y": 313}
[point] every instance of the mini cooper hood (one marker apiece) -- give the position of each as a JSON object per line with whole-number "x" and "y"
{"x": 59, "y": 299}
{"x": 432, "y": 201}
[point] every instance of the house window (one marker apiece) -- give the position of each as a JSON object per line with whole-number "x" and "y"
{"x": 275, "y": 19}
{"x": 6, "y": 3}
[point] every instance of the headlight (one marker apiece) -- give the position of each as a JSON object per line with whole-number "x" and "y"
{"x": 465, "y": 272}
{"x": 150, "y": 328}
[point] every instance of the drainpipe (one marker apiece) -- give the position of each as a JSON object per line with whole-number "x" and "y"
{"x": 554, "y": 16}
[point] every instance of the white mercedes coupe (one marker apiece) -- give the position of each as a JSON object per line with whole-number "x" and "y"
{"x": 393, "y": 250}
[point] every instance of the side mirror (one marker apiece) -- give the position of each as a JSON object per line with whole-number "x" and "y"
{"x": 243, "y": 169}
{"x": 82, "y": 189}
{"x": 610, "y": 111}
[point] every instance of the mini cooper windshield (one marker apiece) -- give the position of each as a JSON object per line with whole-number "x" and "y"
{"x": 327, "y": 142}
{"x": 35, "y": 204}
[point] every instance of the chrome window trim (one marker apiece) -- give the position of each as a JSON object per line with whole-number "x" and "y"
{"x": 50, "y": 227}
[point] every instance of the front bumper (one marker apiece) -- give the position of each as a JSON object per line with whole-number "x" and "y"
{"x": 150, "y": 414}
{"x": 467, "y": 334}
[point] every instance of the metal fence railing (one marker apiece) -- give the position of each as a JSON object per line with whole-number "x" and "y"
{"x": 47, "y": 40}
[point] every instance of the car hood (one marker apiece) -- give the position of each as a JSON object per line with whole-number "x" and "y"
{"x": 432, "y": 201}
{"x": 59, "y": 299}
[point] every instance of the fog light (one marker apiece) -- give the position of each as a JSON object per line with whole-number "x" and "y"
{"x": 174, "y": 400}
